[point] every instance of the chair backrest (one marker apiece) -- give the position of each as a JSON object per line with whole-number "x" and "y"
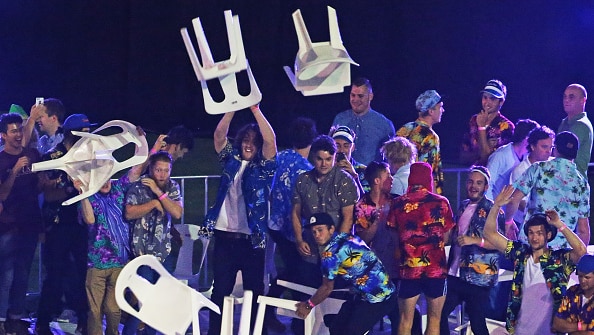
{"x": 168, "y": 305}
{"x": 246, "y": 314}
{"x": 185, "y": 259}
{"x": 289, "y": 305}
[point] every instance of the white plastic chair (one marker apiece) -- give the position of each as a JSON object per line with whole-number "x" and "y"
{"x": 183, "y": 269}
{"x": 246, "y": 313}
{"x": 321, "y": 67}
{"x": 169, "y": 306}
{"x": 223, "y": 71}
{"x": 91, "y": 160}
{"x": 287, "y": 305}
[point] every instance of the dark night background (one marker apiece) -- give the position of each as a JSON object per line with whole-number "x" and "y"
{"x": 126, "y": 59}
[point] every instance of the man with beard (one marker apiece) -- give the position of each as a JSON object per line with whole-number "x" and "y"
{"x": 151, "y": 202}
{"x": 473, "y": 264}
{"x": 576, "y": 314}
{"x": 541, "y": 274}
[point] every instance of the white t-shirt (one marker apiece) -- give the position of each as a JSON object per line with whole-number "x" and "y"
{"x": 233, "y": 215}
{"x": 536, "y": 311}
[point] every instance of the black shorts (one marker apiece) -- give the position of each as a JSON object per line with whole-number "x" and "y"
{"x": 430, "y": 287}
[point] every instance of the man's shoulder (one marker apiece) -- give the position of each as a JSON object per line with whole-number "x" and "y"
{"x": 379, "y": 115}
{"x": 342, "y": 115}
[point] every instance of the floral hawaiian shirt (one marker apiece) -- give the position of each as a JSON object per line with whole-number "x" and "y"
{"x": 289, "y": 165}
{"x": 573, "y": 308}
{"x": 556, "y": 267}
{"x": 348, "y": 257}
{"x": 500, "y": 129}
{"x": 422, "y": 220}
{"x": 555, "y": 184}
{"x": 427, "y": 142}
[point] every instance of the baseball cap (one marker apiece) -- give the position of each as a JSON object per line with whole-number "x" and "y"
{"x": 427, "y": 100}
{"x": 495, "y": 88}
{"x": 586, "y": 264}
{"x": 77, "y": 121}
{"x": 567, "y": 144}
{"x": 320, "y": 219}
{"x": 345, "y": 133}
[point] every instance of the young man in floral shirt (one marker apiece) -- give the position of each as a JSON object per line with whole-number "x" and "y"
{"x": 576, "y": 313}
{"x": 541, "y": 274}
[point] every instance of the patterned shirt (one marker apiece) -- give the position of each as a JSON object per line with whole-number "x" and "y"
{"x": 255, "y": 185}
{"x": 347, "y": 256}
{"x": 46, "y": 143}
{"x": 151, "y": 233}
{"x": 556, "y": 268}
{"x": 479, "y": 266}
{"x": 556, "y": 184}
{"x": 573, "y": 308}
{"x": 422, "y": 220}
{"x": 427, "y": 142}
{"x": 372, "y": 130}
{"x": 109, "y": 237}
{"x": 289, "y": 165}
{"x": 501, "y": 129}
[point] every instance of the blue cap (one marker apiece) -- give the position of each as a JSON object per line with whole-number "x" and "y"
{"x": 495, "y": 88}
{"x": 427, "y": 100}
{"x": 77, "y": 122}
{"x": 586, "y": 264}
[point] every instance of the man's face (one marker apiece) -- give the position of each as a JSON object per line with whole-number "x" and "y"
{"x": 47, "y": 123}
{"x": 106, "y": 187}
{"x": 436, "y": 112}
{"x": 322, "y": 233}
{"x": 586, "y": 281}
{"x": 574, "y": 101}
{"x": 160, "y": 173}
{"x": 177, "y": 151}
{"x": 345, "y": 147}
{"x": 323, "y": 162}
{"x": 360, "y": 99}
{"x": 542, "y": 150}
{"x": 491, "y": 104}
{"x": 537, "y": 237}
{"x": 248, "y": 146}
{"x": 476, "y": 186}
{"x": 385, "y": 181}
{"x": 14, "y": 136}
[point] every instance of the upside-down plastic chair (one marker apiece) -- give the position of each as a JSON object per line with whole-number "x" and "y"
{"x": 183, "y": 269}
{"x": 91, "y": 160}
{"x": 223, "y": 71}
{"x": 169, "y": 306}
{"x": 246, "y": 313}
{"x": 287, "y": 305}
{"x": 321, "y": 67}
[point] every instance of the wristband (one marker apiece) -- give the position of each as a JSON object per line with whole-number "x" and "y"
{"x": 580, "y": 325}
{"x": 562, "y": 227}
{"x": 310, "y": 304}
{"x": 163, "y": 196}
{"x": 508, "y": 222}
{"x": 482, "y": 128}
{"x": 153, "y": 151}
{"x": 482, "y": 242}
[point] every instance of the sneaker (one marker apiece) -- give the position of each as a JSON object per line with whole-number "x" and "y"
{"x": 16, "y": 327}
{"x": 67, "y": 316}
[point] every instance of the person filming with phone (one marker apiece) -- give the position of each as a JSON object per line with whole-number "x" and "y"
{"x": 344, "y": 138}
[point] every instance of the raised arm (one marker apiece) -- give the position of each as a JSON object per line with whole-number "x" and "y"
{"x": 492, "y": 236}
{"x": 511, "y": 230}
{"x": 220, "y": 133}
{"x": 583, "y": 230}
{"x": 136, "y": 171}
{"x": 29, "y": 125}
{"x": 578, "y": 248}
{"x": 269, "y": 145}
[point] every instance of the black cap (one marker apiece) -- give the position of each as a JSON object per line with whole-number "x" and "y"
{"x": 320, "y": 219}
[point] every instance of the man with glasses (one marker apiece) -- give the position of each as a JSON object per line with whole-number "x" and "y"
{"x": 371, "y": 127}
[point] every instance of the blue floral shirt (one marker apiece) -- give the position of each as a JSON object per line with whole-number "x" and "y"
{"x": 349, "y": 257}
{"x": 289, "y": 165}
{"x": 256, "y": 182}
{"x": 556, "y": 184}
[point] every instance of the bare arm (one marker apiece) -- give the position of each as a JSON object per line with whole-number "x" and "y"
{"x": 134, "y": 212}
{"x": 566, "y": 326}
{"x": 6, "y": 186}
{"x": 321, "y": 294}
{"x": 583, "y": 230}
{"x": 347, "y": 219}
{"x": 136, "y": 171}
{"x": 29, "y": 125}
{"x": 483, "y": 142}
{"x": 220, "y": 133}
{"x": 269, "y": 145}
{"x": 301, "y": 245}
{"x": 175, "y": 208}
{"x": 87, "y": 211}
{"x": 578, "y": 248}
{"x": 498, "y": 241}
{"x": 511, "y": 230}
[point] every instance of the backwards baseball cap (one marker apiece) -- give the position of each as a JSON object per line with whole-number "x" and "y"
{"x": 320, "y": 219}
{"x": 420, "y": 174}
{"x": 345, "y": 133}
{"x": 482, "y": 170}
{"x": 76, "y": 122}
{"x": 495, "y": 88}
{"x": 586, "y": 264}
{"x": 427, "y": 100}
{"x": 567, "y": 144}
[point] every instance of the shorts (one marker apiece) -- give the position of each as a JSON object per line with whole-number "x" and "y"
{"x": 430, "y": 287}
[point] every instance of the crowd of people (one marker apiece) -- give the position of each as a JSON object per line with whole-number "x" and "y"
{"x": 361, "y": 207}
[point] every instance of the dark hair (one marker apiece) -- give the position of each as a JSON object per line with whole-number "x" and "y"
{"x": 522, "y": 129}
{"x": 55, "y": 107}
{"x": 539, "y": 133}
{"x": 362, "y": 81}
{"x": 482, "y": 169}
{"x": 539, "y": 219}
{"x": 323, "y": 143}
{"x": 160, "y": 156}
{"x": 243, "y": 132}
{"x": 180, "y": 135}
{"x": 9, "y": 118}
{"x": 302, "y": 132}
{"x": 374, "y": 169}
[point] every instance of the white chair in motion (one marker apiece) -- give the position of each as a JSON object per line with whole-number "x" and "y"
{"x": 183, "y": 269}
{"x": 287, "y": 305}
{"x": 169, "y": 306}
{"x": 246, "y": 313}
